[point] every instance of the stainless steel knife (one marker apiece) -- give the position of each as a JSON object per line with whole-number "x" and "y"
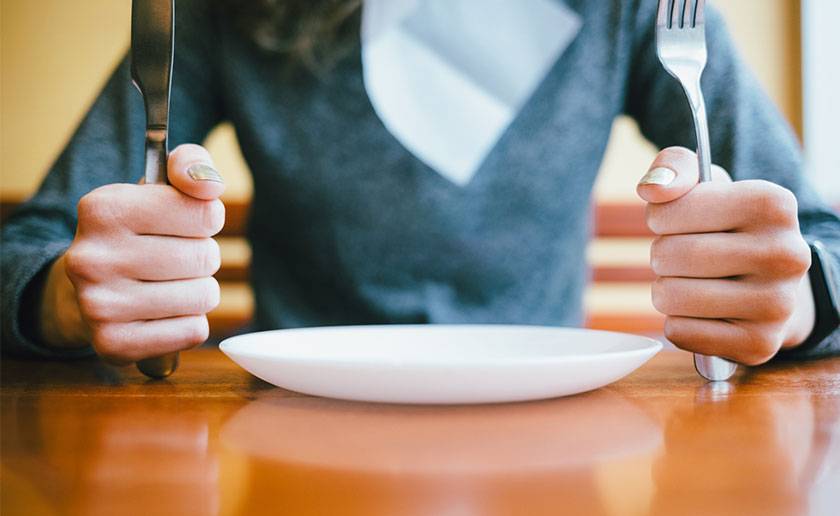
{"x": 152, "y": 51}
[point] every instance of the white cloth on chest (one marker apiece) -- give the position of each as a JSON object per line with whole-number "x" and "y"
{"x": 447, "y": 77}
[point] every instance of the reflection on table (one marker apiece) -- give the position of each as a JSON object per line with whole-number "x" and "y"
{"x": 80, "y": 439}
{"x": 314, "y": 454}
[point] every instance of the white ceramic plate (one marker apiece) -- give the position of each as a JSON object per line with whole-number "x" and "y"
{"x": 440, "y": 364}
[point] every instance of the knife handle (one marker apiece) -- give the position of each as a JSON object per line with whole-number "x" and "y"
{"x": 156, "y": 158}
{"x": 159, "y": 367}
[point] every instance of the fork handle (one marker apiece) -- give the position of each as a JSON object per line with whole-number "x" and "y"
{"x": 701, "y": 129}
{"x": 712, "y": 368}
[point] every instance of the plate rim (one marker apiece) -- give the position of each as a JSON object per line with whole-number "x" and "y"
{"x": 652, "y": 348}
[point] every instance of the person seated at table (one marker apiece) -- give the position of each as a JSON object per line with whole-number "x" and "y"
{"x": 349, "y": 227}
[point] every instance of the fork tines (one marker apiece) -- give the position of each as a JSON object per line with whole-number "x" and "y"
{"x": 680, "y": 14}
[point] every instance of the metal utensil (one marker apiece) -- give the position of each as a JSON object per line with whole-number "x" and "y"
{"x": 681, "y": 47}
{"x": 152, "y": 50}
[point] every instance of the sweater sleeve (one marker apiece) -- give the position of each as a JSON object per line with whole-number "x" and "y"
{"x": 749, "y": 137}
{"x": 107, "y": 147}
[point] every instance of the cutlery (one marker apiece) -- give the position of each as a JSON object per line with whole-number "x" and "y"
{"x": 681, "y": 48}
{"x": 152, "y": 50}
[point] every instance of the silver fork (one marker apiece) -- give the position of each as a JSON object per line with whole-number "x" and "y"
{"x": 681, "y": 48}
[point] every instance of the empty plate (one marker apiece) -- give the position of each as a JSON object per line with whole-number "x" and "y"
{"x": 440, "y": 364}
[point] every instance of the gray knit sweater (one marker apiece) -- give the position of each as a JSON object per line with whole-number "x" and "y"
{"x": 347, "y": 227}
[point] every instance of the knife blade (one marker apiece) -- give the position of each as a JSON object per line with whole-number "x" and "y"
{"x": 152, "y": 51}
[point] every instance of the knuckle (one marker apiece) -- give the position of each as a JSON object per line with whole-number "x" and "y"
{"x": 654, "y": 218}
{"x": 197, "y": 331}
{"x": 657, "y": 256}
{"x": 672, "y": 330}
{"x": 95, "y": 304}
{"x": 209, "y": 257}
{"x": 803, "y": 253}
{"x": 677, "y": 333}
{"x": 76, "y": 263}
{"x": 786, "y": 256}
{"x": 91, "y": 206}
{"x": 212, "y": 216}
{"x": 777, "y": 204}
{"x": 659, "y": 295}
{"x": 778, "y": 302}
{"x": 87, "y": 262}
{"x": 211, "y": 295}
{"x": 101, "y": 207}
{"x": 798, "y": 258}
{"x": 763, "y": 343}
{"x": 183, "y": 261}
{"x": 108, "y": 342}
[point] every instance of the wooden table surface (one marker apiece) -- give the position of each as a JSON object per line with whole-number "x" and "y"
{"x": 84, "y": 438}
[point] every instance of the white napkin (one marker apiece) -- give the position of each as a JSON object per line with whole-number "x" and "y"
{"x": 447, "y": 77}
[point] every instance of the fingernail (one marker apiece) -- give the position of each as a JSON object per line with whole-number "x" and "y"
{"x": 202, "y": 172}
{"x": 658, "y": 176}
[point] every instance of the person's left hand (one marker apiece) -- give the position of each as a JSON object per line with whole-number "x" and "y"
{"x": 730, "y": 262}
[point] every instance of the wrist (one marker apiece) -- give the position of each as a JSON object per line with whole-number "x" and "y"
{"x": 823, "y": 278}
{"x": 61, "y": 323}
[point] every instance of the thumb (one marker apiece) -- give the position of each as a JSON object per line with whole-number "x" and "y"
{"x": 190, "y": 170}
{"x": 673, "y": 174}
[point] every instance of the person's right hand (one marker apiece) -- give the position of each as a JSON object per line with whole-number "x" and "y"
{"x": 141, "y": 265}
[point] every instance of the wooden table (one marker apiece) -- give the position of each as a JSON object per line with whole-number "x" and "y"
{"x": 84, "y": 438}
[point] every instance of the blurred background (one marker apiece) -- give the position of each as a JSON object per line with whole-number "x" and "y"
{"x": 57, "y": 54}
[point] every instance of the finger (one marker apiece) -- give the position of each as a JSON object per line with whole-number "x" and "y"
{"x": 163, "y": 258}
{"x": 149, "y": 210}
{"x": 723, "y": 299}
{"x": 122, "y": 343}
{"x": 720, "y": 174}
{"x": 129, "y": 300}
{"x": 673, "y": 173}
{"x": 190, "y": 169}
{"x": 744, "y": 343}
{"x": 719, "y": 206}
{"x": 723, "y": 255}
